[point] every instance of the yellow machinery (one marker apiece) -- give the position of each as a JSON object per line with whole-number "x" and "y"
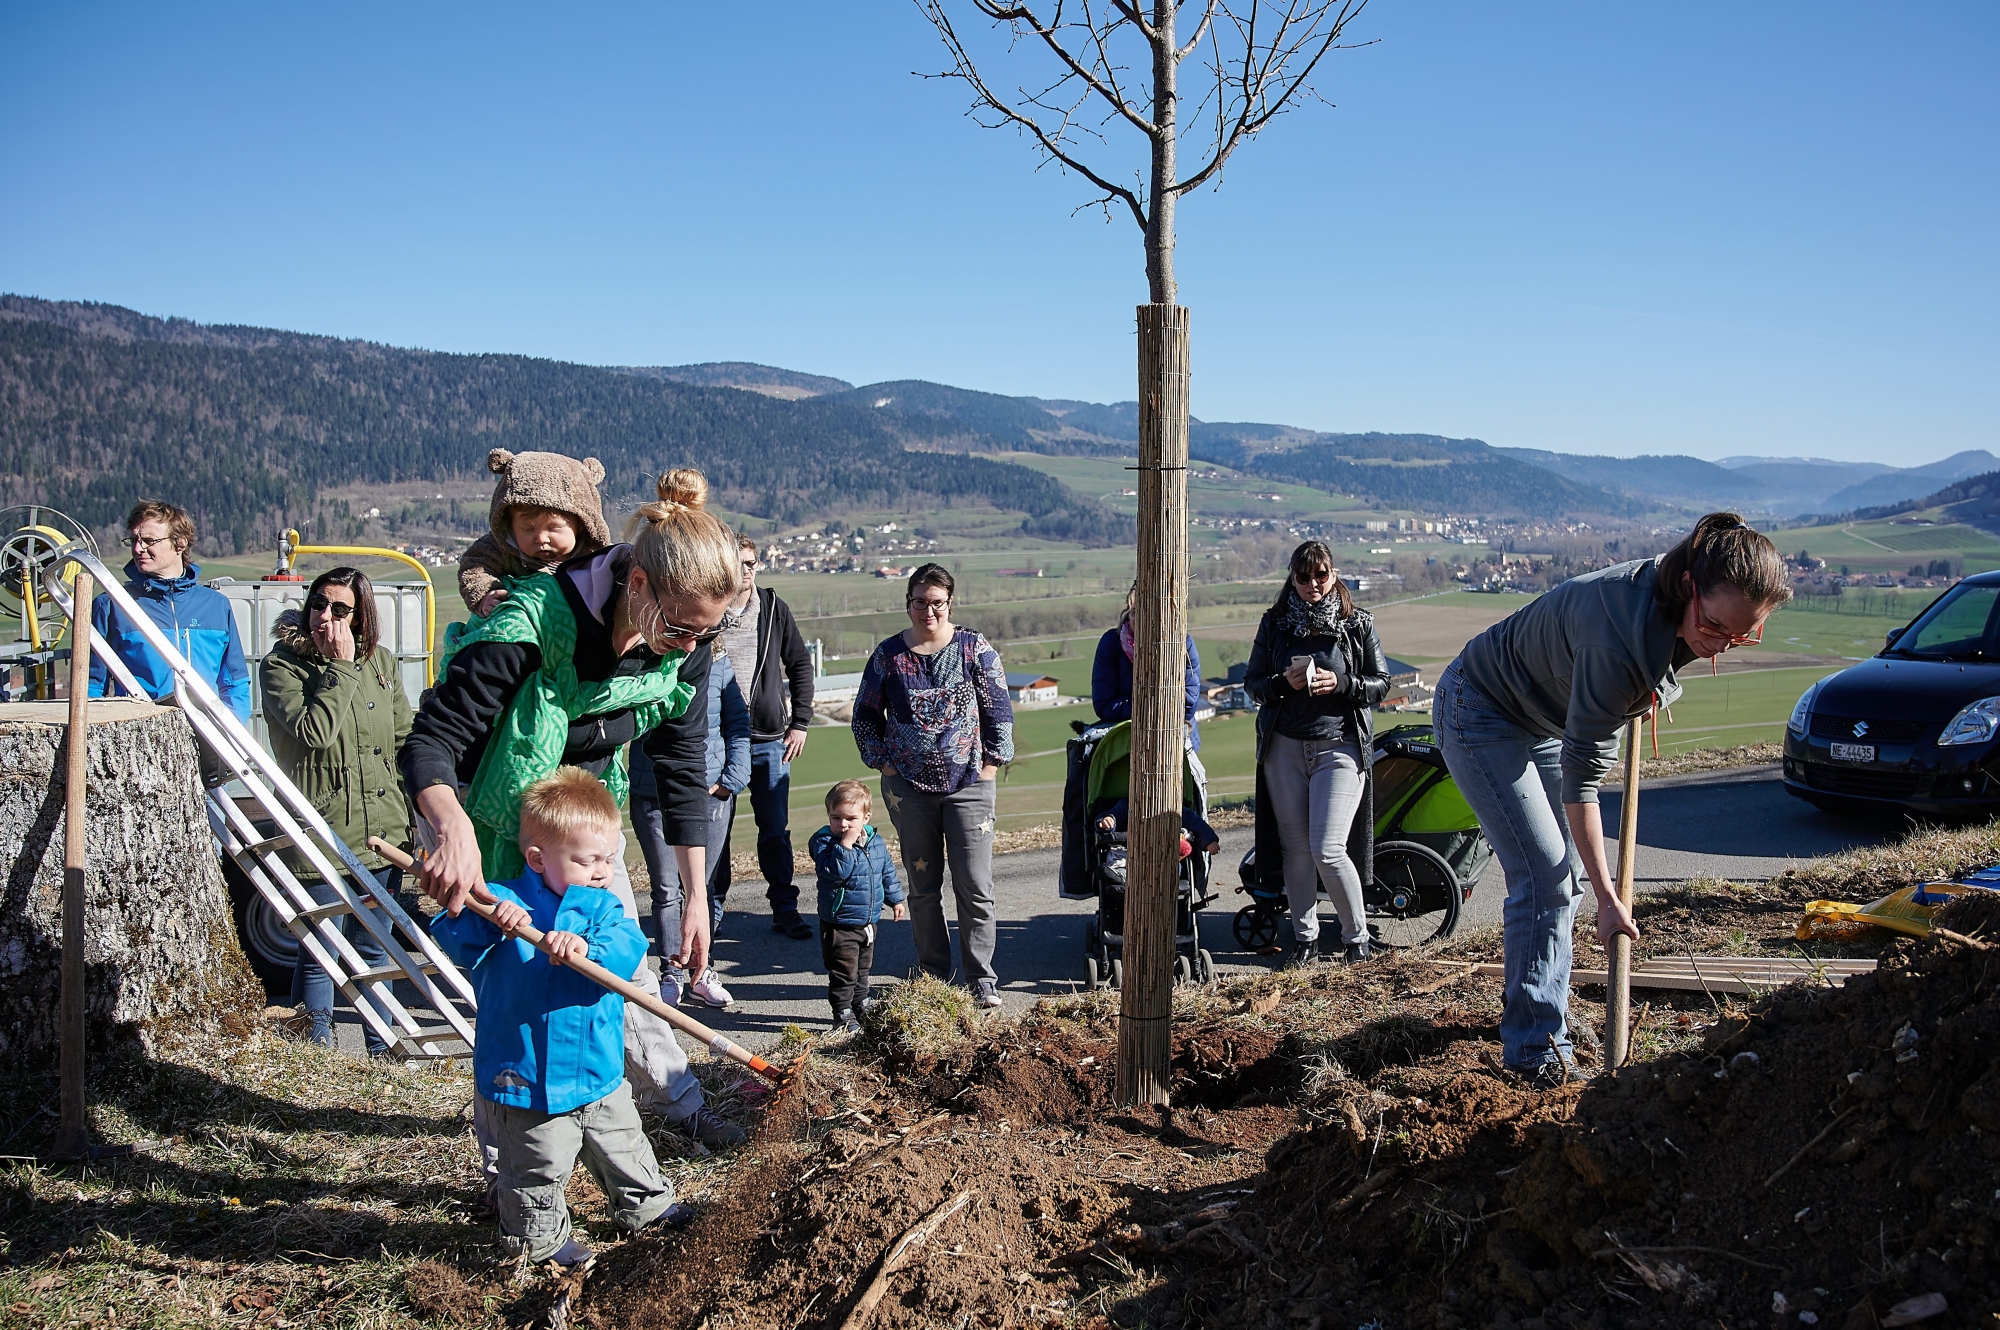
{"x": 33, "y": 533}
{"x": 290, "y": 548}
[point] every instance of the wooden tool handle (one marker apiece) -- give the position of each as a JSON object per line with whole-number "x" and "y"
{"x": 1618, "y": 1003}
{"x": 718, "y": 1044}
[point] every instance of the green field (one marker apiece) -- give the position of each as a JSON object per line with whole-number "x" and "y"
{"x": 1893, "y": 544}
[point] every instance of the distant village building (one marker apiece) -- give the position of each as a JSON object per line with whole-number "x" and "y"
{"x": 1031, "y": 687}
{"x": 1017, "y": 572}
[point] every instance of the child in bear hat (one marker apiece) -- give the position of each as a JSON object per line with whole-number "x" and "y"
{"x": 545, "y": 510}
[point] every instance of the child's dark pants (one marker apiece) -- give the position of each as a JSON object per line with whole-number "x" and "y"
{"x": 849, "y": 953}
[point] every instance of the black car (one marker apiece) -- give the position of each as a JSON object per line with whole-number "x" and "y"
{"x": 1916, "y": 729}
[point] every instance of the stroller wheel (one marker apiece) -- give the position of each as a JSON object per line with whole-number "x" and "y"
{"x": 1204, "y": 967}
{"x": 1091, "y": 978}
{"x": 1117, "y": 973}
{"x": 1183, "y": 972}
{"x": 1255, "y": 927}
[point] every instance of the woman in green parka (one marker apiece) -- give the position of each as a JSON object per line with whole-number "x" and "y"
{"x": 337, "y": 714}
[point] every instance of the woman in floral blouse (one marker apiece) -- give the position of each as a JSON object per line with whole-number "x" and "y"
{"x": 933, "y": 717}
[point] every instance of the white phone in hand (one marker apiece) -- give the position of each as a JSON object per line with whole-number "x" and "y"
{"x": 1312, "y": 668}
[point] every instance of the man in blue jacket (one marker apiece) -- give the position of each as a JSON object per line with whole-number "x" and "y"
{"x": 195, "y": 618}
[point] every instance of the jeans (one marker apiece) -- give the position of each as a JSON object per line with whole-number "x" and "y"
{"x": 1315, "y": 786}
{"x": 770, "y": 792}
{"x": 1512, "y": 779}
{"x": 312, "y": 986}
{"x": 538, "y": 1152}
{"x": 936, "y": 829}
{"x": 668, "y": 894}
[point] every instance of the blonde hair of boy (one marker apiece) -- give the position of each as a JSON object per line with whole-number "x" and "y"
{"x": 566, "y": 804}
{"x": 850, "y": 792}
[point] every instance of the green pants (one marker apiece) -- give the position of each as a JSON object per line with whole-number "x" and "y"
{"x": 538, "y": 1152}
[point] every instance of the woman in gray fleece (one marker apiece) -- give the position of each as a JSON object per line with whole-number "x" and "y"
{"x": 1528, "y": 719}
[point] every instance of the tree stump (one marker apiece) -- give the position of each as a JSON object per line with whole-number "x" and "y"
{"x": 160, "y": 942}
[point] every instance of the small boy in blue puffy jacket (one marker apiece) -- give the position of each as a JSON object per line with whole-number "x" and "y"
{"x": 856, "y": 879}
{"x": 548, "y": 1058}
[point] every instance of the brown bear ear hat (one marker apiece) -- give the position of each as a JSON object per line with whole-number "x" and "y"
{"x": 548, "y": 480}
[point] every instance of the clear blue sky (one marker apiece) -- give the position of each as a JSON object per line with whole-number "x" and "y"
{"x": 1712, "y": 228}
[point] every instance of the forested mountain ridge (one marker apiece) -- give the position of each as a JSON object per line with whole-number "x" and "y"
{"x": 246, "y": 426}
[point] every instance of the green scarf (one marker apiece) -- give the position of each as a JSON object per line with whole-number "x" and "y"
{"x": 528, "y": 739}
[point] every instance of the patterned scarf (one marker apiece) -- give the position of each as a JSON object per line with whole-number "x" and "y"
{"x": 1125, "y": 639}
{"x": 1321, "y": 619}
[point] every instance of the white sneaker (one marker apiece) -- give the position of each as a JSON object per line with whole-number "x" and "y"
{"x": 672, "y": 986}
{"x": 708, "y": 991}
{"x": 987, "y": 994}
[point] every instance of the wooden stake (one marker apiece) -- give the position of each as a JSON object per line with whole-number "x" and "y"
{"x": 916, "y": 1236}
{"x": 1159, "y": 709}
{"x": 1618, "y": 1006}
{"x": 73, "y": 1131}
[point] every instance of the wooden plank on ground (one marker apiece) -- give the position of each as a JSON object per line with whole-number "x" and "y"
{"x": 1717, "y": 974}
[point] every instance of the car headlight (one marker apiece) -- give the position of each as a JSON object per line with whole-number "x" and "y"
{"x": 1973, "y": 724}
{"x": 1802, "y": 712}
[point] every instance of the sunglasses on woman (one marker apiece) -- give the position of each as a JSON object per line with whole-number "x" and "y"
{"x": 340, "y": 609}
{"x": 673, "y": 632}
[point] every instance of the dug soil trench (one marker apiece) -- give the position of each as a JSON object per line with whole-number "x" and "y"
{"x": 1344, "y": 1149}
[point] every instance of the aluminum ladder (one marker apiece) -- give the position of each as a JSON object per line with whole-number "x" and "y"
{"x": 412, "y": 953}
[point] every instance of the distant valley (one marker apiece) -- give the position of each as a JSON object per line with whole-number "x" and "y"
{"x": 257, "y": 428}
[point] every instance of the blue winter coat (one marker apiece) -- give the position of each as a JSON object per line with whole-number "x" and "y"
{"x": 195, "y": 618}
{"x": 548, "y": 1038}
{"x": 728, "y": 736}
{"x": 1111, "y": 684}
{"x": 854, "y": 881}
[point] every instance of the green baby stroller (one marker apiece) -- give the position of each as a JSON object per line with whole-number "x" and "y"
{"x": 1094, "y": 859}
{"x": 1427, "y": 852}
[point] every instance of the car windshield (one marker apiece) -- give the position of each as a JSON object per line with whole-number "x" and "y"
{"x": 1960, "y": 624}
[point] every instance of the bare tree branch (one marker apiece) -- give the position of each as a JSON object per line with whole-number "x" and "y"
{"x": 1050, "y": 143}
{"x": 1261, "y": 55}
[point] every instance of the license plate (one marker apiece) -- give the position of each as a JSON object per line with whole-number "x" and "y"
{"x": 1851, "y": 752}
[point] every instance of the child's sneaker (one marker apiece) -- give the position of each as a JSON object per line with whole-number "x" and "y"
{"x": 708, "y": 991}
{"x": 673, "y": 987}
{"x": 987, "y": 994}
{"x": 573, "y": 1255}
{"x": 844, "y": 1023}
{"x": 678, "y": 1215}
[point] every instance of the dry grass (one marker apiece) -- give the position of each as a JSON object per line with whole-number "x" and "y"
{"x": 919, "y": 1018}
{"x": 1927, "y": 854}
{"x": 1701, "y": 759}
{"x": 277, "y": 1183}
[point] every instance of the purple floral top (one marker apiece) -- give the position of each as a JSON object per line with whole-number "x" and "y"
{"x": 938, "y": 718}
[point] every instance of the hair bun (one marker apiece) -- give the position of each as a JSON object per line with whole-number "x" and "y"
{"x": 685, "y": 487}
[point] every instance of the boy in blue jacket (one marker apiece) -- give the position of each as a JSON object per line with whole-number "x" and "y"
{"x": 548, "y": 1057}
{"x": 856, "y": 878}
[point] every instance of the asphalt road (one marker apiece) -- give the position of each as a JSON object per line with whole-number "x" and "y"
{"x": 1734, "y": 824}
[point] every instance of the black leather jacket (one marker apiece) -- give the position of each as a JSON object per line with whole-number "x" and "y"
{"x": 1363, "y": 667}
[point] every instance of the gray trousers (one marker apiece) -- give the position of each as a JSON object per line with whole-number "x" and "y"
{"x": 538, "y": 1152}
{"x": 937, "y": 829}
{"x": 1315, "y": 787}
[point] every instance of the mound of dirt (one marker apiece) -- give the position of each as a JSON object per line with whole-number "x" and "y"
{"x": 1823, "y": 1158}
{"x": 1024, "y": 1120}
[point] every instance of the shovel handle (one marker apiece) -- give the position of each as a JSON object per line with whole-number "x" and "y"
{"x": 721, "y": 1045}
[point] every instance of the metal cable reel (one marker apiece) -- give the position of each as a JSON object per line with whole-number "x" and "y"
{"x": 33, "y": 533}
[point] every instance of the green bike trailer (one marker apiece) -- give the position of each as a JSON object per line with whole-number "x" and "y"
{"x": 1428, "y": 852}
